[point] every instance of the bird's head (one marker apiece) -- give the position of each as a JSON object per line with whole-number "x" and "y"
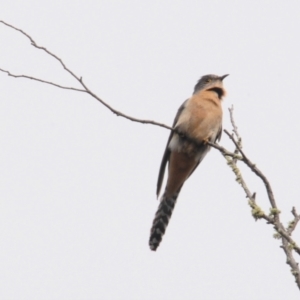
{"x": 211, "y": 83}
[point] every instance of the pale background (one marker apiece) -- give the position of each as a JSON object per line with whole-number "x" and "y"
{"x": 77, "y": 183}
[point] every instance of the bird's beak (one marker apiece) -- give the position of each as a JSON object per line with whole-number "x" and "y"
{"x": 222, "y": 77}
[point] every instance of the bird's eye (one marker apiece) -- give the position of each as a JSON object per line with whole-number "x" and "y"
{"x": 207, "y": 80}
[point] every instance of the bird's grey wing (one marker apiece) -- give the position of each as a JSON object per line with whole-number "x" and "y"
{"x": 167, "y": 152}
{"x": 218, "y": 138}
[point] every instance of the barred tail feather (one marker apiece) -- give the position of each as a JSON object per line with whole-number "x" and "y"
{"x": 161, "y": 220}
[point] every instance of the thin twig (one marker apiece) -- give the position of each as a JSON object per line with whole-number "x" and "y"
{"x": 43, "y": 81}
{"x": 224, "y": 151}
{"x": 234, "y": 127}
{"x": 34, "y": 44}
{"x": 235, "y": 132}
{"x": 293, "y": 223}
{"x": 118, "y": 113}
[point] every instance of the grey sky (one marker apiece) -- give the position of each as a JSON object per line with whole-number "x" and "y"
{"x": 77, "y": 183}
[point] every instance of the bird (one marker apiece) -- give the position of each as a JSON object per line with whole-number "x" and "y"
{"x": 197, "y": 122}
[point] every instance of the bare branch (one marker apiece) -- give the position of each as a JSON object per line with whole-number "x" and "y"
{"x": 79, "y": 79}
{"x": 281, "y": 230}
{"x": 293, "y": 223}
{"x": 41, "y": 80}
{"x": 234, "y": 127}
{"x": 291, "y": 261}
{"x": 224, "y": 151}
{"x": 235, "y": 131}
{"x": 118, "y": 113}
{"x": 254, "y": 168}
{"x": 34, "y": 44}
{"x": 287, "y": 243}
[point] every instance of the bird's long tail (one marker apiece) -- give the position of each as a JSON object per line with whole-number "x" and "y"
{"x": 161, "y": 220}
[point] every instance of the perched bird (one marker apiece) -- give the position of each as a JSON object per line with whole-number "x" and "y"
{"x": 198, "y": 119}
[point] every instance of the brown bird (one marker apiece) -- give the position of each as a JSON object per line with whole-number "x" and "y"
{"x": 199, "y": 118}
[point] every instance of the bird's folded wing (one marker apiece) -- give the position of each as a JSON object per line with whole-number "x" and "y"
{"x": 167, "y": 152}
